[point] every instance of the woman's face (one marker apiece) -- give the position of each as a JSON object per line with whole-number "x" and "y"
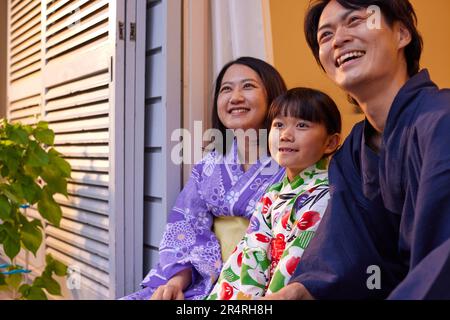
{"x": 242, "y": 100}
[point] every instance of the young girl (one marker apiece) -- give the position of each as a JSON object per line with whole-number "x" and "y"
{"x": 305, "y": 131}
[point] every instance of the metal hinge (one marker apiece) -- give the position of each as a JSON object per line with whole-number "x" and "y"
{"x": 132, "y": 31}
{"x": 121, "y": 30}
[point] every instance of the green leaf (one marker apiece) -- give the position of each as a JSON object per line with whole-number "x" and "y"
{"x": 49, "y": 209}
{"x": 25, "y": 290}
{"x": 16, "y": 188}
{"x": 11, "y": 242}
{"x": 31, "y": 191}
{"x": 11, "y": 247}
{"x": 42, "y": 125}
{"x": 2, "y": 235}
{"x": 55, "y": 183}
{"x": 46, "y": 136}
{"x": 14, "y": 280}
{"x": 11, "y": 195}
{"x": 36, "y": 156}
{"x": 63, "y": 165}
{"x": 33, "y": 172}
{"x": 31, "y": 237}
{"x": 18, "y": 135}
{"x": 4, "y": 171}
{"x": 36, "y": 293}
{"x": 49, "y": 284}
{"x": 59, "y": 268}
{"x": 12, "y": 160}
{"x": 49, "y": 261}
{"x": 5, "y": 208}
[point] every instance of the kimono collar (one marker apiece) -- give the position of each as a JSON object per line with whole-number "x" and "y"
{"x": 406, "y": 94}
{"x": 315, "y": 174}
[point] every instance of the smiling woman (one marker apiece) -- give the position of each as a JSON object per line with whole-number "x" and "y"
{"x": 242, "y": 102}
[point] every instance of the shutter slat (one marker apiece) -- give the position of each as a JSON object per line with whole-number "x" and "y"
{"x": 26, "y": 71}
{"x": 88, "y": 191}
{"x": 25, "y": 103}
{"x": 85, "y": 230}
{"x": 36, "y": 48}
{"x": 30, "y": 29}
{"x": 79, "y": 99}
{"x": 89, "y": 165}
{"x": 83, "y": 204}
{"x": 27, "y": 112}
{"x": 76, "y": 4}
{"x": 85, "y": 256}
{"x": 22, "y": 20}
{"x": 18, "y": 6}
{"x": 77, "y": 23}
{"x": 78, "y": 86}
{"x": 83, "y": 38}
{"x": 97, "y": 179}
{"x": 32, "y": 59}
{"x": 85, "y": 151}
{"x": 56, "y": 5}
{"x": 86, "y": 270}
{"x": 80, "y": 242}
{"x": 26, "y": 45}
{"x": 89, "y": 218}
{"x": 84, "y": 137}
{"x": 82, "y": 125}
{"x": 89, "y": 110}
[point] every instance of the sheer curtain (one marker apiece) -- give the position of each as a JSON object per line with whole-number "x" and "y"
{"x": 240, "y": 28}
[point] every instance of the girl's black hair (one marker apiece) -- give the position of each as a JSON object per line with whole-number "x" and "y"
{"x": 308, "y": 104}
{"x": 270, "y": 77}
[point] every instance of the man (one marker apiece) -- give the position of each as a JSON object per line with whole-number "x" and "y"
{"x": 387, "y": 230}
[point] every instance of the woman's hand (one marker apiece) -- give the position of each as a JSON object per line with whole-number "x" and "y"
{"x": 174, "y": 288}
{"x": 293, "y": 291}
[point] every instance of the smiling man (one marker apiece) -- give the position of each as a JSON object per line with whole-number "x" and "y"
{"x": 390, "y": 206}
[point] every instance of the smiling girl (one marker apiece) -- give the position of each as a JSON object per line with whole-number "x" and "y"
{"x": 305, "y": 131}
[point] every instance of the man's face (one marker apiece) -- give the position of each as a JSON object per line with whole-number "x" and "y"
{"x": 352, "y": 52}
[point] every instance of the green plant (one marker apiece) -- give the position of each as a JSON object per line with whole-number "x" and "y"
{"x": 31, "y": 172}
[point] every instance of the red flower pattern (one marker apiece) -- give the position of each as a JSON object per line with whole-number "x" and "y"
{"x": 308, "y": 220}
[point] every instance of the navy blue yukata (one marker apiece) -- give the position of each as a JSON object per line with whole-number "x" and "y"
{"x": 389, "y": 210}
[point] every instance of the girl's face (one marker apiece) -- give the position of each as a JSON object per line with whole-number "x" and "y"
{"x": 242, "y": 100}
{"x": 296, "y": 144}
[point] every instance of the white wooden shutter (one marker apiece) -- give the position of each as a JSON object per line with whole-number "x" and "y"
{"x": 62, "y": 55}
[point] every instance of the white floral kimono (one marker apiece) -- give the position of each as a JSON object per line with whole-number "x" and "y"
{"x": 281, "y": 228}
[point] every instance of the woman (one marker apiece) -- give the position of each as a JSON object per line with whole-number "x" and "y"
{"x": 220, "y": 185}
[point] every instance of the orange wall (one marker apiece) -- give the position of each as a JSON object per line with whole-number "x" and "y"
{"x": 294, "y": 60}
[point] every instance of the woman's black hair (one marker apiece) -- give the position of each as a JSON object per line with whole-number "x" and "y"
{"x": 393, "y": 11}
{"x": 307, "y": 104}
{"x": 270, "y": 77}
